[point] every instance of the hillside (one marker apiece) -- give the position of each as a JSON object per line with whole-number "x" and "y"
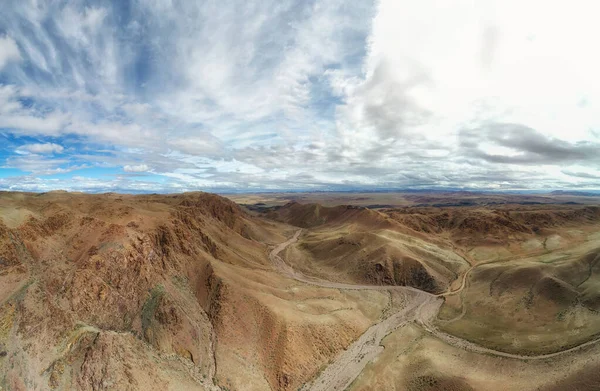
{"x": 99, "y": 290}
{"x": 191, "y": 291}
{"x": 426, "y": 248}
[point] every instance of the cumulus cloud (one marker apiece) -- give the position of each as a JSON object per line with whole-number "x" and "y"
{"x": 43, "y": 164}
{"x": 136, "y": 168}
{"x": 41, "y": 148}
{"x": 31, "y": 124}
{"x": 284, "y": 94}
{"x": 519, "y": 144}
{"x": 9, "y": 51}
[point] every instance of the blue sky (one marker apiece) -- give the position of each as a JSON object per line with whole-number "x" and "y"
{"x": 169, "y": 96}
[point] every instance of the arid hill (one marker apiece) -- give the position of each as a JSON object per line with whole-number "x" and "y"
{"x": 89, "y": 280}
{"x": 157, "y": 292}
{"x": 469, "y": 226}
{"x": 400, "y": 199}
{"x": 429, "y": 248}
{"x": 192, "y": 291}
{"x": 314, "y": 215}
{"x": 425, "y": 248}
{"x": 365, "y": 246}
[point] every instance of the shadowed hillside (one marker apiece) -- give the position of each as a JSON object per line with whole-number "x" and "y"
{"x": 368, "y": 247}
{"x": 156, "y": 292}
{"x": 191, "y": 291}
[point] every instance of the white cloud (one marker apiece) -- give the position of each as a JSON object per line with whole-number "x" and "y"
{"x": 27, "y": 120}
{"x": 38, "y": 164}
{"x": 29, "y": 124}
{"x": 136, "y": 109}
{"x": 9, "y": 51}
{"x": 287, "y": 93}
{"x": 533, "y": 73}
{"x": 136, "y": 168}
{"x": 200, "y": 146}
{"x": 435, "y": 68}
{"x": 46, "y": 148}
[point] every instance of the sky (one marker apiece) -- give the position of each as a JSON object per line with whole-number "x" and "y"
{"x": 255, "y": 95}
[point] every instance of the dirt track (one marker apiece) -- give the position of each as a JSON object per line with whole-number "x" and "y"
{"x": 288, "y": 271}
{"x": 419, "y": 307}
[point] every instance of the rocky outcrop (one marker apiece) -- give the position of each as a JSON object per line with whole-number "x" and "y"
{"x": 126, "y": 267}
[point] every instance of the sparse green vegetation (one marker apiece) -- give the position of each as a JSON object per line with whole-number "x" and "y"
{"x": 180, "y": 282}
{"x": 150, "y": 306}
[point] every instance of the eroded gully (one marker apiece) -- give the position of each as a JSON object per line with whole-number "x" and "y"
{"x": 420, "y": 307}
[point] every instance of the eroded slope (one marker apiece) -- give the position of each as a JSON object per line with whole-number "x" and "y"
{"x": 98, "y": 291}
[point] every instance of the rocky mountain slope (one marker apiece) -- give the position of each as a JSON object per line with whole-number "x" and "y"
{"x": 158, "y": 292}
{"x": 123, "y": 292}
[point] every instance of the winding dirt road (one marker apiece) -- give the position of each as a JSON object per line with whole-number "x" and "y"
{"x": 288, "y": 271}
{"x": 350, "y": 363}
{"x": 419, "y": 307}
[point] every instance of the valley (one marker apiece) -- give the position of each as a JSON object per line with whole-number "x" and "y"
{"x": 97, "y": 291}
{"x": 376, "y": 195}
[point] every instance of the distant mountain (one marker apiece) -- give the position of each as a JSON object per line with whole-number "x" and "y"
{"x": 576, "y": 193}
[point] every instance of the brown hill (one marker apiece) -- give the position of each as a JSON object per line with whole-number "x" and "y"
{"x": 426, "y": 248}
{"x": 314, "y": 215}
{"x": 158, "y": 292}
{"x": 469, "y": 226}
{"x": 359, "y": 245}
{"x": 548, "y": 304}
{"x": 178, "y": 291}
{"x": 112, "y": 266}
{"x": 380, "y": 257}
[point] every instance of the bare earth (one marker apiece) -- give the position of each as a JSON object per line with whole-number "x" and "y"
{"x": 457, "y": 292}
{"x": 350, "y": 363}
{"x": 417, "y": 306}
